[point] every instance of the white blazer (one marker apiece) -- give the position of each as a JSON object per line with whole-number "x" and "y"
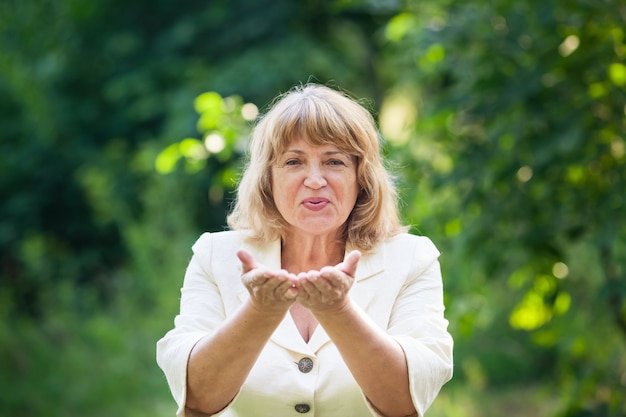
{"x": 399, "y": 287}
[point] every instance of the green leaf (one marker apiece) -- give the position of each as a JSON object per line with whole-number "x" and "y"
{"x": 617, "y": 74}
{"x": 166, "y": 161}
{"x": 398, "y": 26}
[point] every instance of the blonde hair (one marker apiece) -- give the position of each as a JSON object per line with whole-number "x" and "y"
{"x": 319, "y": 115}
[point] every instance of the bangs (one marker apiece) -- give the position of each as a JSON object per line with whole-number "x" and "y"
{"x": 314, "y": 120}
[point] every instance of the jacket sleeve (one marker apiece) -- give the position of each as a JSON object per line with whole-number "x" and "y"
{"x": 201, "y": 311}
{"x": 417, "y": 323}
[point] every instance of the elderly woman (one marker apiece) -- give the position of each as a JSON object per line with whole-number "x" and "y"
{"x": 317, "y": 302}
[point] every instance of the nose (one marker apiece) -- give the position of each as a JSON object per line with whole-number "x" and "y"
{"x": 315, "y": 178}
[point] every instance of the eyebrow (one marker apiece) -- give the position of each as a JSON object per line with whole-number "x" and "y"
{"x": 327, "y": 153}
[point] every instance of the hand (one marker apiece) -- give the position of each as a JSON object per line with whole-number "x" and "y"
{"x": 327, "y": 289}
{"x": 269, "y": 290}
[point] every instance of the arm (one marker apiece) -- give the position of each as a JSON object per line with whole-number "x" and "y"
{"x": 374, "y": 358}
{"x": 208, "y": 357}
{"x": 219, "y": 363}
{"x": 417, "y": 323}
{"x": 400, "y": 369}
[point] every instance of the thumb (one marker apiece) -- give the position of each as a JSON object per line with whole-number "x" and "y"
{"x": 350, "y": 262}
{"x": 247, "y": 260}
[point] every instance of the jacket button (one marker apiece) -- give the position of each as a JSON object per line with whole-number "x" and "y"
{"x": 302, "y": 408}
{"x": 305, "y": 365}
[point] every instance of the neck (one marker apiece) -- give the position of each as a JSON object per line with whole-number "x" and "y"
{"x": 304, "y": 253}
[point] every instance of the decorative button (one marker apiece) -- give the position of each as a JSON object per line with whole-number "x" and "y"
{"x": 305, "y": 365}
{"x": 302, "y": 408}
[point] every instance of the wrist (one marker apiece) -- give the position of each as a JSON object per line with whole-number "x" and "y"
{"x": 334, "y": 310}
{"x": 277, "y": 310}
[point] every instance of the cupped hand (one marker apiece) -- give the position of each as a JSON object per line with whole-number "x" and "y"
{"x": 327, "y": 289}
{"x": 269, "y": 290}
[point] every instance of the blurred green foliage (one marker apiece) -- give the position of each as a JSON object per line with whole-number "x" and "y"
{"x": 124, "y": 126}
{"x": 522, "y": 136}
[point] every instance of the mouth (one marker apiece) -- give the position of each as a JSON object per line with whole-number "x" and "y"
{"x": 315, "y": 200}
{"x": 316, "y": 203}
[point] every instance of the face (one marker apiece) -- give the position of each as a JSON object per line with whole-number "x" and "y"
{"x": 314, "y": 187}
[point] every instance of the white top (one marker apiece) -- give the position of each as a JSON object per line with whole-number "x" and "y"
{"x": 399, "y": 287}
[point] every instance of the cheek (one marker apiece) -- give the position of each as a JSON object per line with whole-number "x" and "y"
{"x": 355, "y": 190}
{"x": 283, "y": 191}
{"x": 355, "y": 196}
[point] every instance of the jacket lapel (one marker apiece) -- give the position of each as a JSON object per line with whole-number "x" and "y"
{"x": 369, "y": 266}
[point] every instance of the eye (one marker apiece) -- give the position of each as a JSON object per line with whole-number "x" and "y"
{"x": 336, "y": 162}
{"x": 292, "y": 162}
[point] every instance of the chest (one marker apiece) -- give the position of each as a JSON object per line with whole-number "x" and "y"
{"x": 304, "y": 320}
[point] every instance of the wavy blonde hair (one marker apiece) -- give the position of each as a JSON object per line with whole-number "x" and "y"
{"x": 319, "y": 115}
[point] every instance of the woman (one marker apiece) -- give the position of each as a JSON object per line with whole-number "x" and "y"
{"x": 317, "y": 302}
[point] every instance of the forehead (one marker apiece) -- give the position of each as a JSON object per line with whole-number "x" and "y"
{"x": 299, "y": 145}
{"x": 310, "y": 146}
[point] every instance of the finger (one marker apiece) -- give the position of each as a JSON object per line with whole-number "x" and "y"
{"x": 277, "y": 282}
{"x": 247, "y": 260}
{"x": 309, "y": 282}
{"x": 316, "y": 285}
{"x": 318, "y": 291}
{"x": 286, "y": 291}
{"x": 350, "y": 262}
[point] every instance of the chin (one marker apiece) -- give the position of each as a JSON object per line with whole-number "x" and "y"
{"x": 322, "y": 231}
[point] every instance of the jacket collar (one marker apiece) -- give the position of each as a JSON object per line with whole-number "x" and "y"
{"x": 286, "y": 334}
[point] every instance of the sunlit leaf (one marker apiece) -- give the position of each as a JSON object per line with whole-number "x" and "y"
{"x": 434, "y": 54}
{"x": 597, "y": 90}
{"x": 208, "y": 121}
{"x": 520, "y": 277}
{"x": 398, "y": 26}
{"x": 545, "y": 338}
{"x": 617, "y": 74}
{"x": 193, "y": 166}
{"x": 453, "y": 227}
{"x": 166, "y": 161}
{"x": 545, "y": 284}
{"x": 531, "y": 313}
{"x": 230, "y": 178}
{"x": 562, "y": 303}
{"x": 575, "y": 174}
{"x": 210, "y": 102}
{"x": 192, "y": 149}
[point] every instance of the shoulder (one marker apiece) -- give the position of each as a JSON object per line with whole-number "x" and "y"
{"x": 223, "y": 237}
{"x": 216, "y": 242}
{"x": 419, "y": 251}
{"x": 406, "y": 242}
{"x": 215, "y": 250}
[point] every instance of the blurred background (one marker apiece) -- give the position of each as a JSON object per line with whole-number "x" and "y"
{"x": 124, "y": 124}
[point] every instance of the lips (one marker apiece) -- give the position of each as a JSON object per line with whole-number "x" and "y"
{"x": 315, "y": 203}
